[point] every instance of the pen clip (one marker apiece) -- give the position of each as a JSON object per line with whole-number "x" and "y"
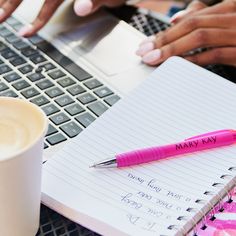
{"x": 209, "y": 134}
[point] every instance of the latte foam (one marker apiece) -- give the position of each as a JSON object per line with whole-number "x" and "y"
{"x": 21, "y": 125}
{"x": 14, "y": 136}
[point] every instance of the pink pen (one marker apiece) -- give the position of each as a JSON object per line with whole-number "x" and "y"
{"x": 197, "y": 143}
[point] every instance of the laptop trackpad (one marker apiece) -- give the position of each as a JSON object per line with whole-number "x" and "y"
{"x": 106, "y": 43}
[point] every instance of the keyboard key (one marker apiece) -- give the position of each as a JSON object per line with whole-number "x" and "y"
{"x": 55, "y": 139}
{"x": 65, "y": 82}
{"x": 74, "y": 109}
{"x": 39, "y": 69}
{"x": 45, "y": 146}
{"x": 65, "y": 62}
{"x": 11, "y": 77}
{"x": 3, "y": 46}
{"x": 28, "y": 52}
{"x": 86, "y": 98}
{"x": 8, "y": 53}
{"x": 12, "y": 21}
{"x": 103, "y": 92}
{"x": 26, "y": 69}
{"x": 59, "y": 118}
{"x": 54, "y": 92}
{"x": 36, "y": 59}
{"x": 9, "y": 93}
{"x": 112, "y": 100}
{"x": 35, "y": 77}
{"x": 36, "y": 39}
{"x": 3, "y": 86}
{"x": 51, "y": 130}
{"x": 71, "y": 129}
{"x": 5, "y": 32}
{"x": 44, "y": 84}
{"x": 17, "y": 61}
{"x": 18, "y": 26}
{"x": 12, "y": 38}
{"x": 4, "y": 69}
{"x": 22, "y": 84}
{"x": 92, "y": 84}
{"x": 20, "y": 45}
{"x": 48, "y": 66}
{"x": 85, "y": 119}
{"x": 64, "y": 100}
{"x": 98, "y": 108}
{"x": 40, "y": 100}
{"x": 56, "y": 74}
{"x": 29, "y": 93}
{"x": 75, "y": 90}
{"x": 50, "y": 109}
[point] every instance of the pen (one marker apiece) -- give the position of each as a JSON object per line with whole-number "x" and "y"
{"x": 197, "y": 143}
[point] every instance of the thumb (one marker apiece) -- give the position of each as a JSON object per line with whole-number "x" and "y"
{"x": 192, "y": 7}
{"x": 84, "y": 7}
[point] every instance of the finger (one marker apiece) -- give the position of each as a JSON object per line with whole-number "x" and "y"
{"x": 196, "y": 39}
{"x": 224, "y": 55}
{"x": 219, "y": 21}
{"x": 192, "y": 7}
{"x": 224, "y": 7}
{"x": 84, "y": 7}
{"x": 48, "y": 9}
{"x": 7, "y": 8}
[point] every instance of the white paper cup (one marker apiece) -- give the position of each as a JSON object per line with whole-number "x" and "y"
{"x": 22, "y": 129}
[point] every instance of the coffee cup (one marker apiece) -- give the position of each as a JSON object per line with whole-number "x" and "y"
{"x": 23, "y": 126}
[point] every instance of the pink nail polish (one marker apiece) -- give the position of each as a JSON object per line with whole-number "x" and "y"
{"x": 145, "y": 48}
{"x": 148, "y": 39}
{"x": 83, "y": 7}
{"x": 2, "y": 13}
{"x": 177, "y": 15}
{"x": 152, "y": 57}
{"x": 25, "y": 30}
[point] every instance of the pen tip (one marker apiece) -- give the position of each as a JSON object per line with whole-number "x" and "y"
{"x": 92, "y": 166}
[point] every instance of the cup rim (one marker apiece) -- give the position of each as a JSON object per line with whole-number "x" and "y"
{"x": 41, "y": 134}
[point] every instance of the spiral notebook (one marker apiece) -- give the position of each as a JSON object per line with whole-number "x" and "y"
{"x": 221, "y": 220}
{"x": 168, "y": 197}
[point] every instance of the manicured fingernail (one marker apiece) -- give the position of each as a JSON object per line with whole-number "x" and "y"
{"x": 2, "y": 13}
{"x": 177, "y": 15}
{"x": 148, "y": 39}
{"x": 145, "y": 48}
{"x": 152, "y": 57}
{"x": 83, "y": 7}
{"x": 25, "y": 30}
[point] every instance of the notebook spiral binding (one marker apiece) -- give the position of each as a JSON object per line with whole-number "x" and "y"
{"x": 219, "y": 207}
{"x": 214, "y": 208}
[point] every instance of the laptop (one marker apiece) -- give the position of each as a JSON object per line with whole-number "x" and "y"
{"x": 75, "y": 69}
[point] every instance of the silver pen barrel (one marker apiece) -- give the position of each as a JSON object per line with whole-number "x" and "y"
{"x": 109, "y": 163}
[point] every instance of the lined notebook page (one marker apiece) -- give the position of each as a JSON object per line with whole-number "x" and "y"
{"x": 178, "y": 101}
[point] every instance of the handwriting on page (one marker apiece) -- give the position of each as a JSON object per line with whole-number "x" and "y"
{"x": 152, "y": 184}
{"x": 149, "y": 205}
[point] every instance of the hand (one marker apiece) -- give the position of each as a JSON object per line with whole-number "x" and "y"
{"x": 81, "y": 7}
{"x": 192, "y": 8}
{"x": 210, "y": 27}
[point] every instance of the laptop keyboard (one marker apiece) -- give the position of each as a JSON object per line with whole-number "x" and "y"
{"x": 35, "y": 70}
{"x": 147, "y": 24}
